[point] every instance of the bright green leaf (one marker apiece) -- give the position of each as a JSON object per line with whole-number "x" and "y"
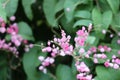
{"x": 83, "y": 14}
{"x": 96, "y": 17}
{"x": 64, "y": 73}
{"x": 114, "y": 43}
{"x": 30, "y": 63}
{"x": 82, "y": 23}
{"x": 69, "y": 7}
{"x": 27, "y": 8}
{"x": 73, "y": 67}
{"x": 49, "y": 10}
{"x": 116, "y": 20}
{"x": 114, "y": 5}
{"x": 97, "y": 21}
{"x": 107, "y": 19}
{"x": 11, "y": 7}
{"x": 107, "y": 73}
{"x": 67, "y": 26}
{"x": 25, "y": 31}
{"x": 104, "y": 5}
{"x": 91, "y": 39}
{"x": 58, "y": 5}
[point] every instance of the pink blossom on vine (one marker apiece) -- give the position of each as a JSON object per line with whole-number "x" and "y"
{"x": 13, "y": 29}
{"x": 16, "y": 39}
{"x": 12, "y": 18}
{"x": 118, "y": 41}
{"x": 106, "y": 64}
{"x": 118, "y": 51}
{"x": 82, "y": 67}
{"x": 2, "y": 29}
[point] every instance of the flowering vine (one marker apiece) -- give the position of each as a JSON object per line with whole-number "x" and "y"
{"x": 61, "y": 47}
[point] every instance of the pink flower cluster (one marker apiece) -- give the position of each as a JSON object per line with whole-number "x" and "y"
{"x": 98, "y": 53}
{"x": 45, "y": 62}
{"x": 114, "y": 63}
{"x": 83, "y": 70}
{"x": 59, "y": 46}
{"x": 81, "y": 37}
{"x": 15, "y": 39}
{"x": 8, "y": 46}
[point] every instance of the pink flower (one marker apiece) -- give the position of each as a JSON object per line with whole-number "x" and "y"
{"x": 47, "y": 49}
{"x": 95, "y": 60}
{"x": 118, "y": 41}
{"x": 1, "y": 19}
{"x": 93, "y": 49}
{"x": 12, "y": 18}
{"x": 82, "y": 67}
{"x": 2, "y": 29}
{"x": 89, "y": 77}
{"x": 41, "y": 58}
{"x": 117, "y": 61}
{"x": 106, "y": 64}
{"x": 13, "y": 29}
{"x": 115, "y": 66}
{"x": 103, "y": 56}
{"x": 118, "y": 51}
{"x": 41, "y": 68}
{"x": 82, "y": 50}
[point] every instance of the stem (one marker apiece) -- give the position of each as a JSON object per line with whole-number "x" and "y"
{"x": 97, "y": 4}
{"x": 5, "y": 3}
{"x": 53, "y": 76}
{"x": 60, "y": 16}
{"x": 55, "y": 32}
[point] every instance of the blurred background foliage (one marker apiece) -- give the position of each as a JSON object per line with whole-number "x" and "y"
{"x": 39, "y": 20}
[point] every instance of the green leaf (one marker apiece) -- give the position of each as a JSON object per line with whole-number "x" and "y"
{"x": 25, "y": 31}
{"x": 82, "y": 23}
{"x": 96, "y": 78}
{"x": 97, "y": 21}
{"x": 91, "y": 39}
{"x": 67, "y": 26}
{"x": 30, "y": 63}
{"x": 27, "y": 8}
{"x": 116, "y": 20}
{"x": 104, "y": 5}
{"x": 82, "y": 14}
{"x": 49, "y": 10}
{"x": 96, "y": 16}
{"x": 73, "y": 67}
{"x": 3, "y": 66}
{"x": 114, "y": 43}
{"x": 64, "y": 73}
{"x": 107, "y": 19}
{"x": 2, "y": 12}
{"x": 107, "y": 73}
{"x": 114, "y": 5}
{"x": 46, "y": 76}
{"x": 69, "y": 7}
{"x": 58, "y": 6}
{"x": 11, "y": 7}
